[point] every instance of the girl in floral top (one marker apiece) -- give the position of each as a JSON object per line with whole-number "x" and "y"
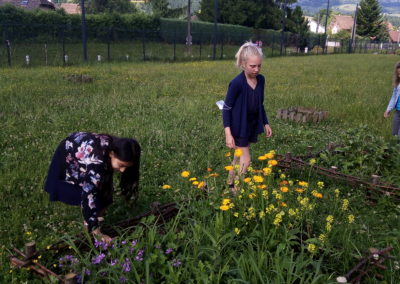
{"x": 81, "y": 173}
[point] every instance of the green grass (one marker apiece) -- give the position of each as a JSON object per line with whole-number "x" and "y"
{"x": 170, "y": 108}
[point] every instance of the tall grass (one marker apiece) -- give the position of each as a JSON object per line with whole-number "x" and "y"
{"x": 170, "y": 108}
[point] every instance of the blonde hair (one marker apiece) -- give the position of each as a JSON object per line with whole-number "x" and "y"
{"x": 245, "y": 51}
{"x": 396, "y": 77}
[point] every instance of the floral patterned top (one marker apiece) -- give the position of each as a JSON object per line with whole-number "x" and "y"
{"x": 87, "y": 164}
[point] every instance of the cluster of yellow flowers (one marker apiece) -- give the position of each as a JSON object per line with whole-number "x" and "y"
{"x": 281, "y": 201}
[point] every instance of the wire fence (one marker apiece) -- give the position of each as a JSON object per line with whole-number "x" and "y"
{"x": 62, "y": 46}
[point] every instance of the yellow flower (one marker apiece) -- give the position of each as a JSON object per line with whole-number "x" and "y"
{"x": 312, "y": 248}
{"x": 300, "y": 190}
{"x": 316, "y": 194}
{"x": 258, "y": 179}
{"x": 303, "y": 183}
{"x": 284, "y": 189}
{"x": 261, "y": 186}
{"x": 28, "y": 233}
{"x": 236, "y": 214}
{"x": 224, "y": 207}
{"x": 322, "y": 238}
{"x": 337, "y": 192}
{"x": 228, "y": 154}
{"x": 237, "y": 231}
{"x": 328, "y": 227}
{"x": 192, "y": 179}
{"x": 35, "y": 261}
{"x": 185, "y": 174}
{"x": 265, "y": 194}
{"x": 272, "y": 162}
{"x": 320, "y": 184}
{"x": 202, "y": 184}
{"x": 247, "y": 180}
{"x": 252, "y": 195}
{"x": 304, "y": 201}
{"x": 267, "y": 171}
{"x": 166, "y": 186}
{"x": 229, "y": 168}
{"x": 238, "y": 152}
{"x": 195, "y": 182}
{"x": 261, "y": 214}
{"x": 231, "y": 205}
{"x": 39, "y": 257}
{"x": 292, "y": 212}
{"x": 312, "y": 162}
{"x": 250, "y": 169}
{"x": 345, "y": 204}
{"x": 262, "y": 158}
{"x": 226, "y": 201}
{"x": 282, "y": 176}
{"x": 48, "y": 247}
{"x": 213, "y": 175}
{"x": 282, "y": 204}
{"x": 329, "y": 219}
{"x": 269, "y": 155}
{"x": 350, "y": 218}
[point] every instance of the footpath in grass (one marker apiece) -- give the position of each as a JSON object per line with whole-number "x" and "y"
{"x": 170, "y": 109}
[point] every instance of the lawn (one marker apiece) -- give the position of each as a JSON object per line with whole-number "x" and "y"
{"x": 170, "y": 109}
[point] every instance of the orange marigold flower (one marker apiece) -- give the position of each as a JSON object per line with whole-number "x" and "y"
{"x": 224, "y": 207}
{"x": 258, "y": 179}
{"x": 261, "y": 186}
{"x": 272, "y": 162}
{"x": 238, "y": 152}
{"x": 229, "y": 168}
{"x": 166, "y": 186}
{"x": 299, "y": 190}
{"x": 185, "y": 174}
{"x": 247, "y": 180}
{"x": 214, "y": 175}
{"x": 284, "y": 182}
{"x": 262, "y": 158}
{"x": 282, "y": 204}
{"x": 209, "y": 169}
{"x": 284, "y": 189}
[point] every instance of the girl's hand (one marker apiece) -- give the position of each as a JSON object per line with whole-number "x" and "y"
{"x": 230, "y": 142}
{"x": 102, "y": 237}
{"x": 268, "y": 130}
{"x": 386, "y": 114}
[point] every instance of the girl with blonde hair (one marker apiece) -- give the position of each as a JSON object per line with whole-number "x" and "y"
{"x": 244, "y": 116}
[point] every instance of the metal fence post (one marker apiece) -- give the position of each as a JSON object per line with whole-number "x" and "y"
{"x": 174, "y": 44}
{"x": 273, "y": 44}
{"x": 108, "y": 44}
{"x": 143, "y": 46}
{"x": 222, "y": 45}
{"x": 8, "y": 44}
{"x": 63, "y": 43}
{"x": 201, "y": 44}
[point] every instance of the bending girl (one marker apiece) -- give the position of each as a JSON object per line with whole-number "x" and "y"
{"x": 81, "y": 173}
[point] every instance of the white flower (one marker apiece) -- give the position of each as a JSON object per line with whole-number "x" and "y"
{"x": 375, "y": 256}
{"x": 341, "y": 279}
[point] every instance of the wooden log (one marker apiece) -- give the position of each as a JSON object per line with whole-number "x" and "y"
{"x": 279, "y": 113}
{"x": 375, "y": 179}
{"x": 306, "y": 117}
{"x": 70, "y": 278}
{"x": 298, "y": 117}
{"x": 284, "y": 114}
{"x": 30, "y": 249}
{"x": 315, "y": 118}
{"x": 288, "y": 157}
{"x": 292, "y": 115}
{"x": 320, "y": 116}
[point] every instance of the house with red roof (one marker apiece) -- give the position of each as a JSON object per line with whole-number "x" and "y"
{"x": 340, "y": 23}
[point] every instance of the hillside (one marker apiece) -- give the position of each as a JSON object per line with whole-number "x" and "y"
{"x": 388, "y": 6}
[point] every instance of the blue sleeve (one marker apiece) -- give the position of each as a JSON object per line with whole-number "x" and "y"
{"x": 393, "y": 100}
{"x": 230, "y": 99}
{"x": 263, "y": 113}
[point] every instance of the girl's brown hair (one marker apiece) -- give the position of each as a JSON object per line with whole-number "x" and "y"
{"x": 396, "y": 77}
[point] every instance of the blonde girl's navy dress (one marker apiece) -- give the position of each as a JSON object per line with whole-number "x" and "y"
{"x": 244, "y": 110}
{"x": 80, "y": 173}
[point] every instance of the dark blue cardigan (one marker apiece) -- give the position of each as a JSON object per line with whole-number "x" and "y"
{"x": 234, "y": 113}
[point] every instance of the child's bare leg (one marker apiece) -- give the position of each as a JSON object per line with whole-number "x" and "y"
{"x": 245, "y": 160}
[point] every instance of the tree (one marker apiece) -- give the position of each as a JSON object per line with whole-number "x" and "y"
{"x": 370, "y": 21}
{"x": 162, "y": 9}
{"x": 252, "y": 13}
{"x": 109, "y": 6}
{"x": 297, "y": 24}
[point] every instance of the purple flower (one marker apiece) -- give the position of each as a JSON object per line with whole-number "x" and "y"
{"x": 122, "y": 279}
{"x": 168, "y": 251}
{"x": 134, "y": 242}
{"x": 113, "y": 262}
{"x": 78, "y": 278}
{"x": 87, "y": 271}
{"x": 126, "y": 266}
{"x": 101, "y": 244}
{"x": 176, "y": 262}
{"x": 123, "y": 243}
{"x": 99, "y": 258}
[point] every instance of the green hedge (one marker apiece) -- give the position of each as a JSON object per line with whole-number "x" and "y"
{"x": 18, "y": 24}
